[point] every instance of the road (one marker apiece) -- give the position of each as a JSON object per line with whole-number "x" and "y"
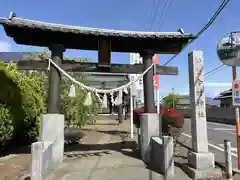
{"x": 217, "y": 133}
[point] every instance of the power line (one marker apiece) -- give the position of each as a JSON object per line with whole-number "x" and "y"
{"x": 150, "y": 14}
{"x": 213, "y": 71}
{"x": 154, "y": 14}
{"x": 210, "y": 22}
{"x": 163, "y": 14}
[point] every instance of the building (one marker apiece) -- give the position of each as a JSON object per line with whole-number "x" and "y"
{"x": 184, "y": 102}
{"x": 225, "y": 98}
{"x": 109, "y": 81}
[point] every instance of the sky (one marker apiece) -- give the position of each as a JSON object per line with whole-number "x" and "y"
{"x": 134, "y": 15}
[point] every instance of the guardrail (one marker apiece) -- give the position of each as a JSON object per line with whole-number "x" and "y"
{"x": 216, "y": 114}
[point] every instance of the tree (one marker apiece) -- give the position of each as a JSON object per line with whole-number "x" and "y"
{"x": 171, "y": 101}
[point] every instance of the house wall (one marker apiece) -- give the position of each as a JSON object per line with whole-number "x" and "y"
{"x": 226, "y": 103}
{"x": 216, "y": 114}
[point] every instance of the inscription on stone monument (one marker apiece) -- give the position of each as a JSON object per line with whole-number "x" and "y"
{"x": 199, "y": 88}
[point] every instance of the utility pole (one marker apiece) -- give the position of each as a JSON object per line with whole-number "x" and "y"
{"x": 234, "y": 76}
{"x": 173, "y": 98}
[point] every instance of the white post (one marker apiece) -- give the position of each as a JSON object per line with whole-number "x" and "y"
{"x": 158, "y": 101}
{"x": 131, "y": 114}
{"x": 228, "y": 159}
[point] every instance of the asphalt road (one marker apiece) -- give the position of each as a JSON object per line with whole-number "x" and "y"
{"x": 217, "y": 133}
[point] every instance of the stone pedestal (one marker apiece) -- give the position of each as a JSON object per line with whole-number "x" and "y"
{"x": 149, "y": 127}
{"x": 202, "y": 165}
{"x": 162, "y": 156}
{"x": 52, "y": 129}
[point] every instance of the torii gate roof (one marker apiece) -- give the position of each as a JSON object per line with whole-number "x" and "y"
{"x": 37, "y": 33}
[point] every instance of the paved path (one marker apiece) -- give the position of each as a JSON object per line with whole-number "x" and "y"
{"x": 104, "y": 155}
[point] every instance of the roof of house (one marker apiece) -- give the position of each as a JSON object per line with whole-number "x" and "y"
{"x": 224, "y": 95}
{"x": 32, "y": 32}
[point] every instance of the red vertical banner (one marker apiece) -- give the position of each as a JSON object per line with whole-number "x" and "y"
{"x": 155, "y": 60}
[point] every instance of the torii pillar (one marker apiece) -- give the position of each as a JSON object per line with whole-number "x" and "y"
{"x": 52, "y": 123}
{"x": 149, "y": 121}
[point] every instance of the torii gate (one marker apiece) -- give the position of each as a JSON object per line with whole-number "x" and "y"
{"x": 58, "y": 37}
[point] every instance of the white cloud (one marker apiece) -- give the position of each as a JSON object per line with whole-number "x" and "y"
{"x": 183, "y": 93}
{"x": 5, "y": 46}
{"x": 218, "y": 84}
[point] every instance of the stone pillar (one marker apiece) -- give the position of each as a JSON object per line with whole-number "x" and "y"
{"x": 149, "y": 127}
{"x": 52, "y": 123}
{"x": 149, "y": 122}
{"x": 52, "y": 130}
{"x": 201, "y": 161}
{"x": 148, "y": 83}
{"x": 54, "y": 90}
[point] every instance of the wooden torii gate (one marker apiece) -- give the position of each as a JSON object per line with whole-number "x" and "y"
{"x": 58, "y": 37}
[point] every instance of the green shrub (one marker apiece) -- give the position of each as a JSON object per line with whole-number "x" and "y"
{"x": 21, "y": 95}
{"x": 6, "y": 127}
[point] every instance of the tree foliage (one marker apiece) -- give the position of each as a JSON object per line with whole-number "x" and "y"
{"x": 21, "y": 104}
{"x": 171, "y": 101}
{"x": 76, "y": 113}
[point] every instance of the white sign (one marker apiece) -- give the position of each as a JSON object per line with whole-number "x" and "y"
{"x": 236, "y": 93}
{"x": 135, "y": 58}
{"x": 228, "y": 49}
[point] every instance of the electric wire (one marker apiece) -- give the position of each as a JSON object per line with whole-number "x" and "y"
{"x": 213, "y": 71}
{"x": 155, "y": 14}
{"x": 150, "y": 15}
{"x": 210, "y": 22}
{"x": 163, "y": 14}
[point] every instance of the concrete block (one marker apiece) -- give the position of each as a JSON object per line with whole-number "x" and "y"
{"x": 202, "y": 174}
{"x": 201, "y": 161}
{"x": 162, "y": 155}
{"x": 41, "y": 160}
{"x": 149, "y": 127}
{"x": 157, "y": 154}
{"x": 52, "y": 129}
{"x": 201, "y": 166}
{"x": 168, "y": 148}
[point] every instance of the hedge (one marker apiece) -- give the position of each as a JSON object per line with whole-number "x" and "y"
{"x": 21, "y": 104}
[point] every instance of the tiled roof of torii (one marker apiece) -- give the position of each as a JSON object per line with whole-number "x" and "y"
{"x": 31, "y": 32}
